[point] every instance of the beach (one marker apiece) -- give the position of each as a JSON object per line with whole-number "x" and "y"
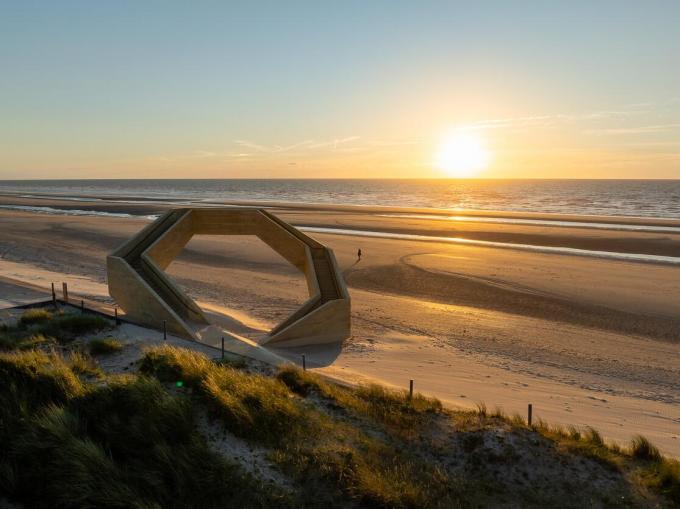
{"x": 495, "y": 307}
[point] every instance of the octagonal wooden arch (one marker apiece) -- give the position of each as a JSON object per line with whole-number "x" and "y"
{"x": 138, "y": 283}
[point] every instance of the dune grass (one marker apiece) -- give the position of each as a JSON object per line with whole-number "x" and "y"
{"x": 41, "y": 327}
{"x": 10, "y": 340}
{"x": 325, "y": 455}
{"x": 103, "y": 346}
{"x": 252, "y": 406}
{"x": 73, "y": 436}
{"x": 126, "y": 443}
{"x": 66, "y": 327}
{"x": 641, "y": 461}
{"x": 82, "y": 364}
{"x": 34, "y": 316}
{"x": 396, "y": 410}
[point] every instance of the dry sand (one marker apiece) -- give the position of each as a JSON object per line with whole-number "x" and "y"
{"x": 587, "y": 341}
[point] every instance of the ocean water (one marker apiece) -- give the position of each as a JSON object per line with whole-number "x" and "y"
{"x": 647, "y": 198}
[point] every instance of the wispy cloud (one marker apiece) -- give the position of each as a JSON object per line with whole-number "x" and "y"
{"x": 523, "y": 122}
{"x": 333, "y": 143}
{"x": 646, "y": 129}
{"x": 251, "y": 145}
{"x": 255, "y": 150}
{"x": 309, "y": 144}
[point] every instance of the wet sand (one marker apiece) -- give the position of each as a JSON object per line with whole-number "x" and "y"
{"x": 588, "y": 341}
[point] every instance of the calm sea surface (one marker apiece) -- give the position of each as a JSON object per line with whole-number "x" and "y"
{"x": 656, "y": 198}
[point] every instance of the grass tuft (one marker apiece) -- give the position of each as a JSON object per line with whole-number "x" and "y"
{"x": 37, "y": 378}
{"x": 642, "y": 449}
{"x": 34, "y": 316}
{"x": 82, "y": 364}
{"x": 68, "y": 326}
{"x": 64, "y": 327}
{"x": 396, "y": 410}
{"x": 105, "y": 346}
{"x": 251, "y": 406}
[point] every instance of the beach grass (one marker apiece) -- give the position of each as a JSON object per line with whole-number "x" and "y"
{"x": 396, "y": 410}
{"x": 104, "y": 346}
{"x": 41, "y": 327}
{"x": 126, "y": 443}
{"x": 640, "y": 461}
{"x": 74, "y": 436}
{"x": 34, "y": 316}
{"x": 323, "y": 453}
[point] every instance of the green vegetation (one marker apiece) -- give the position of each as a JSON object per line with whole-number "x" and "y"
{"x": 327, "y": 456}
{"x": 397, "y": 411}
{"x": 105, "y": 346}
{"x": 642, "y": 449}
{"x": 83, "y": 364}
{"x": 72, "y": 435}
{"x": 128, "y": 443}
{"x": 38, "y": 327}
{"x": 33, "y": 316}
{"x": 66, "y": 327}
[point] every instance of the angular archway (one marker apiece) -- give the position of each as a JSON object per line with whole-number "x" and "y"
{"x": 139, "y": 285}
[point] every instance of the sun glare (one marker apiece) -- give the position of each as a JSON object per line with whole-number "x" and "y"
{"x": 462, "y": 155}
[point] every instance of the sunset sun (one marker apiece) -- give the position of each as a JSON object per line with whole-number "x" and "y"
{"x": 462, "y": 155}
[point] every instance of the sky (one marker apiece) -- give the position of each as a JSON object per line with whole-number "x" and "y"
{"x": 297, "y": 89}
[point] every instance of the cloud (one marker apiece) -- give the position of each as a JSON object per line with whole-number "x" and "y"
{"x": 252, "y": 145}
{"x": 550, "y": 120}
{"x": 334, "y": 143}
{"x": 309, "y": 144}
{"x": 633, "y": 130}
{"x": 257, "y": 150}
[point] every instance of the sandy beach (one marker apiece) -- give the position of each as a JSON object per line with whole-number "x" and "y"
{"x": 587, "y": 340}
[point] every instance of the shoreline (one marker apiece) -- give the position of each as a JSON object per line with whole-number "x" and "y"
{"x": 646, "y": 243}
{"x": 101, "y": 200}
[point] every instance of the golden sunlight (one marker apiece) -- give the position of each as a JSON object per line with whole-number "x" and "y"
{"x": 462, "y": 155}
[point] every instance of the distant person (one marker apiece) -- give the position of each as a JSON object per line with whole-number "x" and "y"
{"x": 359, "y": 254}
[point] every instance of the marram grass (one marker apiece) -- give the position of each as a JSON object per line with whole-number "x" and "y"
{"x": 73, "y": 436}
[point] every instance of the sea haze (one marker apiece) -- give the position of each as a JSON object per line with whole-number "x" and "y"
{"x": 647, "y": 198}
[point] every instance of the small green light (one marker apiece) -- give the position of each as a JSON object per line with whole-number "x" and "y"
{"x": 179, "y": 383}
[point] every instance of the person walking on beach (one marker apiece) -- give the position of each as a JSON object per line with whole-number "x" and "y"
{"x": 359, "y": 254}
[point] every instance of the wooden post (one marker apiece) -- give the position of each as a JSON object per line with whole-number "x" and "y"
{"x": 82, "y": 306}
{"x": 222, "y": 347}
{"x": 304, "y": 363}
{"x": 410, "y": 389}
{"x": 165, "y": 330}
{"x": 115, "y": 315}
{"x": 529, "y": 414}
{"x": 54, "y": 296}
{"x": 64, "y": 291}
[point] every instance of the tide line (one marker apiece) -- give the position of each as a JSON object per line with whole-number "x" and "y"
{"x": 543, "y": 222}
{"x": 611, "y": 255}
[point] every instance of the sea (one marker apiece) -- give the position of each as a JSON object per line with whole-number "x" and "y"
{"x": 640, "y": 198}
